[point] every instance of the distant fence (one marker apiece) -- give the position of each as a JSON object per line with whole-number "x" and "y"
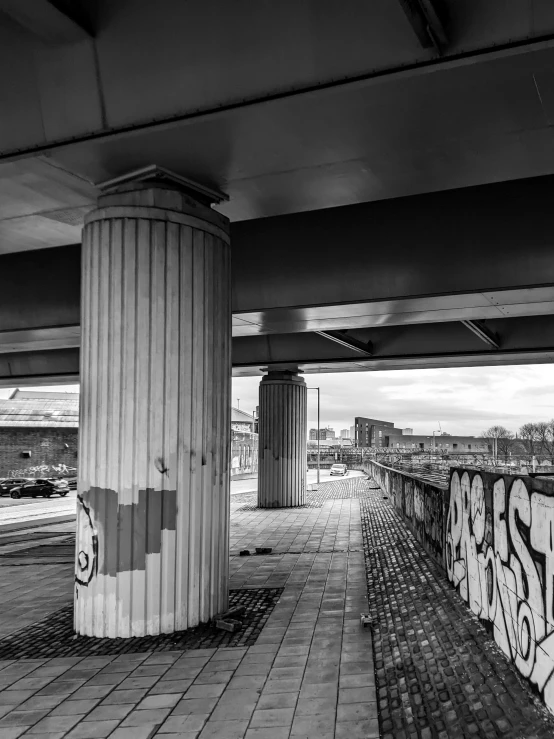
{"x": 493, "y": 534}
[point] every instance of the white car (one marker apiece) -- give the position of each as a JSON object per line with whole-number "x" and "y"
{"x": 339, "y": 469}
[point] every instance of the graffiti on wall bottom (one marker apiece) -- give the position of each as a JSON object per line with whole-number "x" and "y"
{"x": 500, "y": 558}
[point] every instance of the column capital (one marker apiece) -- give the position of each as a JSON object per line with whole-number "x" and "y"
{"x": 282, "y": 376}
{"x": 155, "y": 193}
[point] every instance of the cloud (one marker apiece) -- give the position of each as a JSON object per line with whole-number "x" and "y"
{"x": 464, "y": 401}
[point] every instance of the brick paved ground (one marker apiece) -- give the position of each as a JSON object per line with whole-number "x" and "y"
{"x": 439, "y": 675}
{"x": 310, "y": 674}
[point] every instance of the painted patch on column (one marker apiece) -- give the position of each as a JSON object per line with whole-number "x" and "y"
{"x": 117, "y": 537}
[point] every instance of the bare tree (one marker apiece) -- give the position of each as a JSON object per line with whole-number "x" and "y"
{"x": 545, "y": 433}
{"x": 529, "y": 433}
{"x": 504, "y": 438}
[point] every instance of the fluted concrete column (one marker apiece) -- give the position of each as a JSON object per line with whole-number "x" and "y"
{"x": 282, "y": 440}
{"x": 153, "y": 488}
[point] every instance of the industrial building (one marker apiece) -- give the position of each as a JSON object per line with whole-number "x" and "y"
{"x": 370, "y": 432}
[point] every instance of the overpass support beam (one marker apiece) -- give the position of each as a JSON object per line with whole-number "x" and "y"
{"x": 282, "y": 440}
{"x": 153, "y": 490}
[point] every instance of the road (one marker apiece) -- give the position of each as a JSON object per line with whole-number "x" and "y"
{"x": 17, "y": 513}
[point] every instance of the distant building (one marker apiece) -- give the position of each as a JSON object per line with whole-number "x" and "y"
{"x": 345, "y": 434}
{"x": 370, "y": 432}
{"x": 241, "y": 421}
{"x": 444, "y": 443}
{"x": 38, "y": 433}
{"x": 327, "y": 433}
{"x": 352, "y": 432}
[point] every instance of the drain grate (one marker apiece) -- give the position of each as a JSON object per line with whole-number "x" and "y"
{"x": 54, "y": 636}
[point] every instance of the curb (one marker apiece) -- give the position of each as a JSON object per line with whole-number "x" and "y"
{"x": 32, "y": 523}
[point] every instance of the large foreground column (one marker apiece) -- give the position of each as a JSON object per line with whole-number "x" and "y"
{"x": 153, "y": 495}
{"x": 282, "y": 440}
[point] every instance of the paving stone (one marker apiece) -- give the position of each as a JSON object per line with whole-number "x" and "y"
{"x": 124, "y": 696}
{"x": 109, "y": 712}
{"x": 361, "y": 730}
{"x": 163, "y": 700}
{"x": 170, "y": 686}
{"x": 277, "y": 700}
{"x": 188, "y": 723}
{"x": 196, "y": 705}
{"x": 55, "y": 723}
{"x": 223, "y": 730}
{"x": 22, "y": 718}
{"x": 92, "y": 729}
{"x": 273, "y": 732}
{"x": 320, "y": 726}
{"x": 148, "y": 716}
{"x": 205, "y": 691}
{"x": 73, "y": 708}
{"x": 132, "y": 732}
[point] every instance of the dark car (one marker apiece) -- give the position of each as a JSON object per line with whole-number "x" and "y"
{"x": 6, "y": 486}
{"x": 42, "y": 487}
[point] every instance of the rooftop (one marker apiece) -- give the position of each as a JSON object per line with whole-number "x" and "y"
{"x": 29, "y": 408}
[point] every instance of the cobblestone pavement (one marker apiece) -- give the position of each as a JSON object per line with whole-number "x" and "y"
{"x": 309, "y": 675}
{"x": 439, "y": 674}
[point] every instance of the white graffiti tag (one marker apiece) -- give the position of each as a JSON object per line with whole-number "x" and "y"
{"x": 500, "y": 557}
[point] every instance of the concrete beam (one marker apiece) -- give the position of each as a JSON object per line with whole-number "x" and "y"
{"x": 44, "y": 21}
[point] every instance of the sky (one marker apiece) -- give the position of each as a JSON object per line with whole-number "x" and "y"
{"x": 464, "y": 401}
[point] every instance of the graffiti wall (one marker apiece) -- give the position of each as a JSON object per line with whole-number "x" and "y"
{"x": 244, "y": 454}
{"x": 494, "y": 536}
{"x": 500, "y": 559}
{"x": 424, "y": 507}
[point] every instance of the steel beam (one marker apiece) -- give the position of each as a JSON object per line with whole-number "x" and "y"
{"x": 483, "y": 333}
{"x": 340, "y": 337}
{"x": 426, "y": 24}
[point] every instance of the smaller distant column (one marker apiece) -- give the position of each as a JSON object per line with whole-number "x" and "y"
{"x": 282, "y": 463}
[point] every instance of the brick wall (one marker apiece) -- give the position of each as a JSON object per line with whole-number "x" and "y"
{"x": 47, "y": 447}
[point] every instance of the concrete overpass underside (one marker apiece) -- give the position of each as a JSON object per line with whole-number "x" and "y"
{"x": 386, "y": 178}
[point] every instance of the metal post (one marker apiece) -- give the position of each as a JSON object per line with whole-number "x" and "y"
{"x": 318, "y": 435}
{"x": 318, "y": 432}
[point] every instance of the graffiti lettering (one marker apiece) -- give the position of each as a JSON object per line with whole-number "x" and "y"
{"x": 500, "y": 558}
{"x": 43, "y": 470}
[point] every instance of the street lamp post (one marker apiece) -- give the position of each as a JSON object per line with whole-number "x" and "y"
{"x": 316, "y": 388}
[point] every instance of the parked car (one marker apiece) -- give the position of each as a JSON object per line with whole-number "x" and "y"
{"x": 41, "y": 487}
{"x": 339, "y": 469}
{"x": 7, "y": 485}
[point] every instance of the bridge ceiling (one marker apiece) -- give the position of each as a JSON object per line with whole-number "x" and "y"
{"x": 286, "y": 107}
